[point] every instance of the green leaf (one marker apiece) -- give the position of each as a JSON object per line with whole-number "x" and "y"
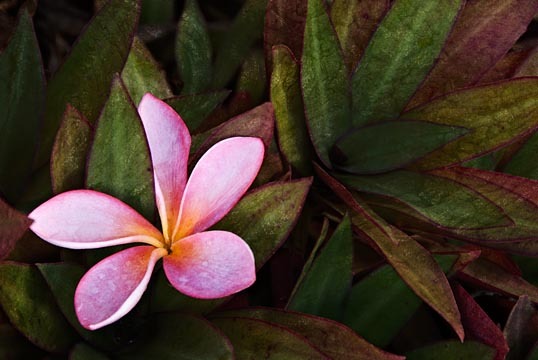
{"x": 482, "y": 34}
{"x": 325, "y": 81}
{"x": 355, "y": 21}
{"x": 120, "y": 162}
{"x": 265, "y": 216}
{"x": 142, "y": 74}
{"x": 84, "y": 79}
{"x": 83, "y": 351}
{"x": 157, "y": 12}
{"x": 251, "y": 338}
{"x": 194, "y": 109}
{"x": 442, "y": 201}
{"x": 14, "y": 346}
{"x": 13, "y": 225}
{"x": 391, "y": 145}
{"x": 252, "y": 77}
{"x": 193, "y": 50}
{"x": 22, "y": 88}
{"x": 324, "y": 288}
{"x": 62, "y": 279}
{"x": 495, "y": 114}
{"x": 246, "y": 29}
{"x": 525, "y": 161}
{"x": 70, "y": 151}
{"x": 177, "y": 337}
{"x": 30, "y": 307}
{"x": 332, "y": 338}
{"x": 380, "y": 305}
{"x": 394, "y": 65}
{"x": 450, "y": 350}
{"x": 290, "y": 122}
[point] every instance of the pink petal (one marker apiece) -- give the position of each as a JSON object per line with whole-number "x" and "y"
{"x": 217, "y": 183}
{"x": 169, "y": 143}
{"x": 111, "y": 288}
{"x": 86, "y": 219}
{"x": 210, "y": 264}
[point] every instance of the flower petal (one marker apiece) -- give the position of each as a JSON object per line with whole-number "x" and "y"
{"x": 217, "y": 183}
{"x": 111, "y": 288}
{"x": 87, "y": 219}
{"x": 210, "y": 264}
{"x": 169, "y": 143}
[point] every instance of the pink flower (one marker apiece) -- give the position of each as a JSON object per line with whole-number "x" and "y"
{"x": 198, "y": 263}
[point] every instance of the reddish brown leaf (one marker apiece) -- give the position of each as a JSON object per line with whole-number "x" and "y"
{"x": 507, "y": 67}
{"x": 13, "y": 224}
{"x": 521, "y": 329}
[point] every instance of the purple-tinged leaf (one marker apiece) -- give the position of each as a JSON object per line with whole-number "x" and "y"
{"x": 529, "y": 67}
{"x": 413, "y": 263}
{"x": 483, "y": 34}
{"x": 334, "y": 339}
{"x": 325, "y": 81}
{"x": 521, "y": 329}
{"x": 355, "y": 21}
{"x": 70, "y": 151}
{"x": 507, "y": 67}
{"x": 478, "y": 325}
{"x": 496, "y": 115}
{"x": 13, "y": 225}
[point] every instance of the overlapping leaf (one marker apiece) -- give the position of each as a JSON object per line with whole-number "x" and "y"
{"x": 13, "y": 224}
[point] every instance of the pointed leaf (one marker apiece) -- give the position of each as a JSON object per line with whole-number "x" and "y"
{"x": 194, "y": 109}
{"x": 22, "y": 84}
{"x": 252, "y": 77}
{"x": 483, "y": 33}
{"x": 507, "y": 67}
{"x": 325, "y": 81}
{"x": 120, "y": 163}
{"x": 332, "y": 338}
{"x": 391, "y": 145}
{"x": 324, "y": 288}
{"x": 521, "y": 329}
{"x": 180, "y": 337}
{"x": 355, "y": 21}
{"x": 251, "y": 338}
{"x": 70, "y": 151}
{"x": 393, "y": 66}
{"x": 84, "y": 79}
{"x": 292, "y": 135}
{"x": 525, "y": 161}
{"x": 450, "y": 350}
{"x": 496, "y": 114}
{"x": 30, "y": 307}
{"x": 13, "y": 225}
{"x": 142, "y": 74}
{"x": 193, "y": 49}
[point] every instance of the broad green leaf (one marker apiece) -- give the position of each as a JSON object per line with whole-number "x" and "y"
{"x": 393, "y": 66}
{"x": 325, "y": 81}
{"x": 83, "y": 351}
{"x": 84, "y": 79}
{"x": 477, "y": 324}
{"x": 252, "y": 77}
{"x": 22, "y": 88}
{"x": 355, "y": 21}
{"x": 452, "y": 349}
{"x": 177, "y": 337}
{"x": 13, "y": 225}
{"x": 194, "y": 109}
{"x": 324, "y": 288}
{"x": 246, "y": 29}
{"x": 444, "y": 202}
{"x": 120, "y": 162}
{"x": 70, "y": 151}
{"x": 525, "y": 161}
{"x": 193, "y": 50}
{"x": 62, "y": 279}
{"x": 521, "y": 329}
{"x": 251, "y": 338}
{"x": 482, "y": 34}
{"x": 412, "y": 262}
{"x": 495, "y": 114}
{"x": 380, "y": 305}
{"x": 391, "y": 145}
{"x": 30, "y": 307}
{"x": 14, "y": 346}
{"x": 332, "y": 338}
{"x": 290, "y": 122}
{"x": 265, "y": 216}
{"x": 284, "y": 25}
{"x": 142, "y": 74}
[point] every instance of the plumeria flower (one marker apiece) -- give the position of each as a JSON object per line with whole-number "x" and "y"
{"x": 201, "y": 264}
